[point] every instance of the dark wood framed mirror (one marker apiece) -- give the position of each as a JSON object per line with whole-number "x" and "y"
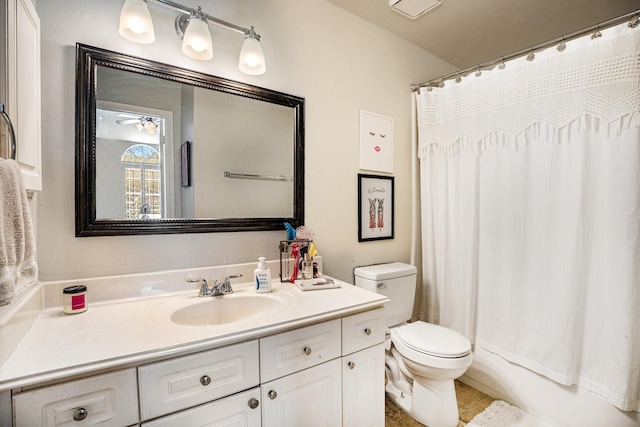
{"x": 162, "y": 149}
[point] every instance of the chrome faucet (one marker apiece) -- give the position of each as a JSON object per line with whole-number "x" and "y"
{"x": 217, "y": 289}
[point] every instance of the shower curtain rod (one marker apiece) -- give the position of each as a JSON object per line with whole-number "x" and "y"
{"x": 635, "y": 21}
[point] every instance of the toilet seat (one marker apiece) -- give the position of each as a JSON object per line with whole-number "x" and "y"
{"x": 431, "y": 340}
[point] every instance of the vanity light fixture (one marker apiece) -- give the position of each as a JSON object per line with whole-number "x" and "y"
{"x": 135, "y": 22}
{"x": 192, "y": 27}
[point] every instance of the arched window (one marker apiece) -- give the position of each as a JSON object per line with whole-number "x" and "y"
{"x": 142, "y": 183}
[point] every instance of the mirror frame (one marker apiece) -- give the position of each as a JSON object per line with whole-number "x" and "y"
{"x": 88, "y": 58}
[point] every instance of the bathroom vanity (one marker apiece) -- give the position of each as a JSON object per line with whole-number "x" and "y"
{"x": 287, "y": 358}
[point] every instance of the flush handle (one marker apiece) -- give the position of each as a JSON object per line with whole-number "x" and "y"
{"x": 367, "y": 331}
{"x": 80, "y": 414}
{"x": 307, "y": 350}
{"x": 382, "y": 285}
{"x": 205, "y": 380}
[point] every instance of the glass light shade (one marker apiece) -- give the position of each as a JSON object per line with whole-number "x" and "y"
{"x": 197, "y": 40}
{"x": 135, "y": 22}
{"x": 251, "y": 57}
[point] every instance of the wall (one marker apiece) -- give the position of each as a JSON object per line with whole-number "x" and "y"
{"x": 337, "y": 62}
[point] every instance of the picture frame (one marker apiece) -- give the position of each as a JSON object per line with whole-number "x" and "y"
{"x": 376, "y": 204}
{"x": 185, "y": 162}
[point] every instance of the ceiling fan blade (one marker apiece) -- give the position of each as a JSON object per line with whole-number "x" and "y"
{"x": 127, "y": 121}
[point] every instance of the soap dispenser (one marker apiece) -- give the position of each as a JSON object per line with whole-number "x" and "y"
{"x": 262, "y": 276}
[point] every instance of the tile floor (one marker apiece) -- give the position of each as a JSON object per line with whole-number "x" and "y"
{"x": 470, "y": 403}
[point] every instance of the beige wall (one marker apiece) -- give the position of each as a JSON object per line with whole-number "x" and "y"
{"x": 337, "y": 62}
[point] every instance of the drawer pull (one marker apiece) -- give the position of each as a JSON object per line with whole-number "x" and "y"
{"x": 307, "y": 350}
{"x": 253, "y": 402}
{"x": 205, "y": 380}
{"x": 80, "y": 414}
{"x": 351, "y": 365}
{"x": 272, "y": 394}
{"x": 367, "y": 331}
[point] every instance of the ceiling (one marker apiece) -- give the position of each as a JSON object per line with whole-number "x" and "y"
{"x": 466, "y": 33}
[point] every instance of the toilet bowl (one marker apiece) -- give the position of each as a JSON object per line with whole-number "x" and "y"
{"x": 422, "y": 359}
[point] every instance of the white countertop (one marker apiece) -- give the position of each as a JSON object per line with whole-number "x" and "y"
{"x": 119, "y": 333}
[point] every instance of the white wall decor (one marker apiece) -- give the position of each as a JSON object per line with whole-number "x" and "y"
{"x": 376, "y": 142}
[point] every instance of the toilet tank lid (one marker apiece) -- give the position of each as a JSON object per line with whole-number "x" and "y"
{"x": 385, "y": 271}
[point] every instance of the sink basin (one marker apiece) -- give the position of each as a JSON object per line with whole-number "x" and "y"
{"x": 225, "y": 309}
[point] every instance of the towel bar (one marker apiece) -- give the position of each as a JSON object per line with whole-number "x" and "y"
{"x": 12, "y": 136}
{"x": 228, "y": 174}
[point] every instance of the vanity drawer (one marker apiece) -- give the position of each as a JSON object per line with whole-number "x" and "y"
{"x": 241, "y": 410}
{"x": 289, "y": 352}
{"x": 362, "y": 330}
{"x": 108, "y": 399}
{"x": 187, "y": 381}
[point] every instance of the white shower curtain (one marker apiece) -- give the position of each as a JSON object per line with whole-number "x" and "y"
{"x": 530, "y": 180}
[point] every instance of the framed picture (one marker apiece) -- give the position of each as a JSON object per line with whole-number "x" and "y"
{"x": 375, "y": 207}
{"x": 185, "y": 161}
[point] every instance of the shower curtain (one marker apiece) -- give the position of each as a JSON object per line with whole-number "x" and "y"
{"x": 530, "y": 178}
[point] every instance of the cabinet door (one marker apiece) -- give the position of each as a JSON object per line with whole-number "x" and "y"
{"x": 107, "y": 400}
{"x": 23, "y": 89}
{"x": 309, "y": 398}
{"x": 363, "y": 388}
{"x": 240, "y": 410}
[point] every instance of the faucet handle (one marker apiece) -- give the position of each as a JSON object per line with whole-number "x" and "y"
{"x": 204, "y": 287}
{"x": 227, "y": 284}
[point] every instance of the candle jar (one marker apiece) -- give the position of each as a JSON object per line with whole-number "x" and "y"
{"x": 74, "y": 299}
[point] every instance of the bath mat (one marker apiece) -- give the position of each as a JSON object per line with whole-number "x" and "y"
{"x": 501, "y": 414}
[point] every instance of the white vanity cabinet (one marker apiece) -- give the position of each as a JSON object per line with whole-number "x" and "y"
{"x": 326, "y": 374}
{"x": 107, "y": 399}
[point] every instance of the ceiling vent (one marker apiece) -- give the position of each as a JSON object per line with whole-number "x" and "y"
{"x": 413, "y": 8}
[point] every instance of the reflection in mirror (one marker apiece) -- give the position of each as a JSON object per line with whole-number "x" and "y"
{"x": 161, "y": 149}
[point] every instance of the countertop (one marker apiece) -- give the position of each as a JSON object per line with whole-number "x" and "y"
{"x": 120, "y": 333}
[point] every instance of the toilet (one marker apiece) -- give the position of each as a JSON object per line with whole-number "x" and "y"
{"x": 422, "y": 359}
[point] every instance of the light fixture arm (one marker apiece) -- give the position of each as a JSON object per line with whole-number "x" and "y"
{"x": 204, "y": 16}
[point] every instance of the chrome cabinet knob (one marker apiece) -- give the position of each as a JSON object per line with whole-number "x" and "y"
{"x": 307, "y": 350}
{"x": 205, "y": 380}
{"x": 351, "y": 365}
{"x": 272, "y": 394}
{"x": 253, "y": 403}
{"x": 367, "y": 331}
{"x": 80, "y": 414}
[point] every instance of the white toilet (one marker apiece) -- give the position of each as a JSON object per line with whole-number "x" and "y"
{"x": 422, "y": 359}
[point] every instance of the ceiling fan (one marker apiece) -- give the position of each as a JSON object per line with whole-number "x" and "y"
{"x": 148, "y": 123}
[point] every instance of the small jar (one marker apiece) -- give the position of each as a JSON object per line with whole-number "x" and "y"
{"x": 74, "y": 299}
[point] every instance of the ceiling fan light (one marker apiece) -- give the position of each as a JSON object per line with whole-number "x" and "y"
{"x": 252, "y": 57}
{"x": 197, "y": 40}
{"x": 413, "y": 9}
{"x": 135, "y": 22}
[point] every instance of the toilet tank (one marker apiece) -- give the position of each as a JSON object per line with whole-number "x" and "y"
{"x": 395, "y": 280}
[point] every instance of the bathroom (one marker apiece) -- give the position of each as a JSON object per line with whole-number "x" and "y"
{"x": 340, "y": 64}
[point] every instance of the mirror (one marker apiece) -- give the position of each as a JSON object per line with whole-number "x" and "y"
{"x": 162, "y": 149}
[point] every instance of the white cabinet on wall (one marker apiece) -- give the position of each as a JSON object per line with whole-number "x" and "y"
{"x": 21, "y": 69}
